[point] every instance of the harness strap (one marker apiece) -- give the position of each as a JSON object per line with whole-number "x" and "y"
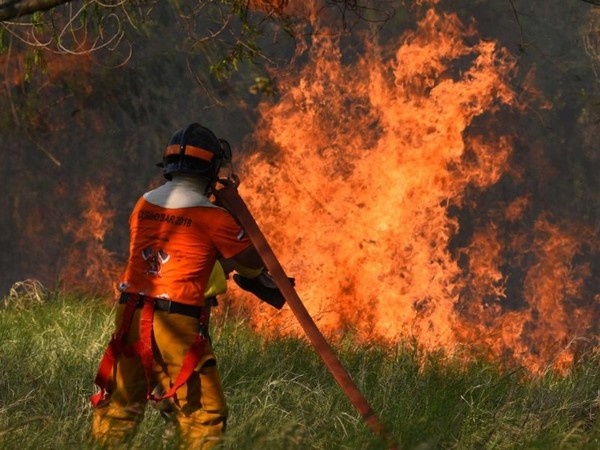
{"x": 191, "y": 360}
{"x": 143, "y": 348}
{"x": 114, "y": 349}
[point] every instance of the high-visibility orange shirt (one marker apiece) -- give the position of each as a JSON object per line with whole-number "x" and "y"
{"x": 172, "y": 251}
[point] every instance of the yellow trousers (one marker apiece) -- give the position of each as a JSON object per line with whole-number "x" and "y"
{"x": 199, "y": 405}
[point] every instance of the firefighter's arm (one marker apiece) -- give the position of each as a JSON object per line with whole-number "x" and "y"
{"x": 247, "y": 263}
{"x": 252, "y": 276}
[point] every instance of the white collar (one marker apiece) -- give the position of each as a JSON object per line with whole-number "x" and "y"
{"x": 180, "y": 192}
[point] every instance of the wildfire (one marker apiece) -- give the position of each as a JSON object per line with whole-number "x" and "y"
{"x": 365, "y": 174}
{"x": 378, "y": 178}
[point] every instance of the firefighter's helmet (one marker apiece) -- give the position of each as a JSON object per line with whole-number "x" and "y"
{"x": 195, "y": 150}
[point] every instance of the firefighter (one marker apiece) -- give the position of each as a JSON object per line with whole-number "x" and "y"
{"x": 177, "y": 237}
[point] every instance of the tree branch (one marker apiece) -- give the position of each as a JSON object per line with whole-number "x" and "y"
{"x": 514, "y": 9}
{"x": 11, "y": 9}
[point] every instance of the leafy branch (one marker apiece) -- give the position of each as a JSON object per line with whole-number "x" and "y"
{"x": 224, "y": 33}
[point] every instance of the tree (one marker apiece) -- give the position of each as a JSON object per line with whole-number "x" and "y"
{"x": 11, "y": 9}
{"x": 227, "y": 31}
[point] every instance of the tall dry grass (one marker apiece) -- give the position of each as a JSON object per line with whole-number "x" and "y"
{"x": 280, "y": 394}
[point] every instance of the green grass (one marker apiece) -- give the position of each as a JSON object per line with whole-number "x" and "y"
{"x": 282, "y": 397}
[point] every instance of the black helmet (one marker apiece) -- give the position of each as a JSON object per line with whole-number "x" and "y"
{"x": 194, "y": 150}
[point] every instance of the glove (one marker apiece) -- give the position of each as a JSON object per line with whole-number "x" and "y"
{"x": 263, "y": 287}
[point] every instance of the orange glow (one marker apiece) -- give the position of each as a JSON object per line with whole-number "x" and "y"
{"x": 268, "y": 5}
{"x": 358, "y": 166}
{"x": 89, "y": 266}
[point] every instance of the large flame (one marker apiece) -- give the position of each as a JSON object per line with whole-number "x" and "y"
{"x": 364, "y": 167}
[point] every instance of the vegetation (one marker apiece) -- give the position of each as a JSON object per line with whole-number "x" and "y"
{"x": 280, "y": 394}
{"x": 228, "y": 33}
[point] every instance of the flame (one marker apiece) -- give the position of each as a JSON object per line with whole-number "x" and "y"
{"x": 364, "y": 175}
{"x": 553, "y": 323}
{"x": 553, "y": 286}
{"x": 89, "y": 266}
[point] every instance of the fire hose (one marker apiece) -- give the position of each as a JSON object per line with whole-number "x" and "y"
{"x": 228, "y": 196}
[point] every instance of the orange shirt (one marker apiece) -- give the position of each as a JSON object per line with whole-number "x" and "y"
{"x": 172, "y": 250}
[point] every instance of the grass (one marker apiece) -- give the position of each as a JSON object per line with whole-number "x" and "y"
{"x": 280, "y": 394}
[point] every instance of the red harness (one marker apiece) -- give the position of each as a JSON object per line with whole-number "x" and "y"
{"x": 143, "y": 349}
